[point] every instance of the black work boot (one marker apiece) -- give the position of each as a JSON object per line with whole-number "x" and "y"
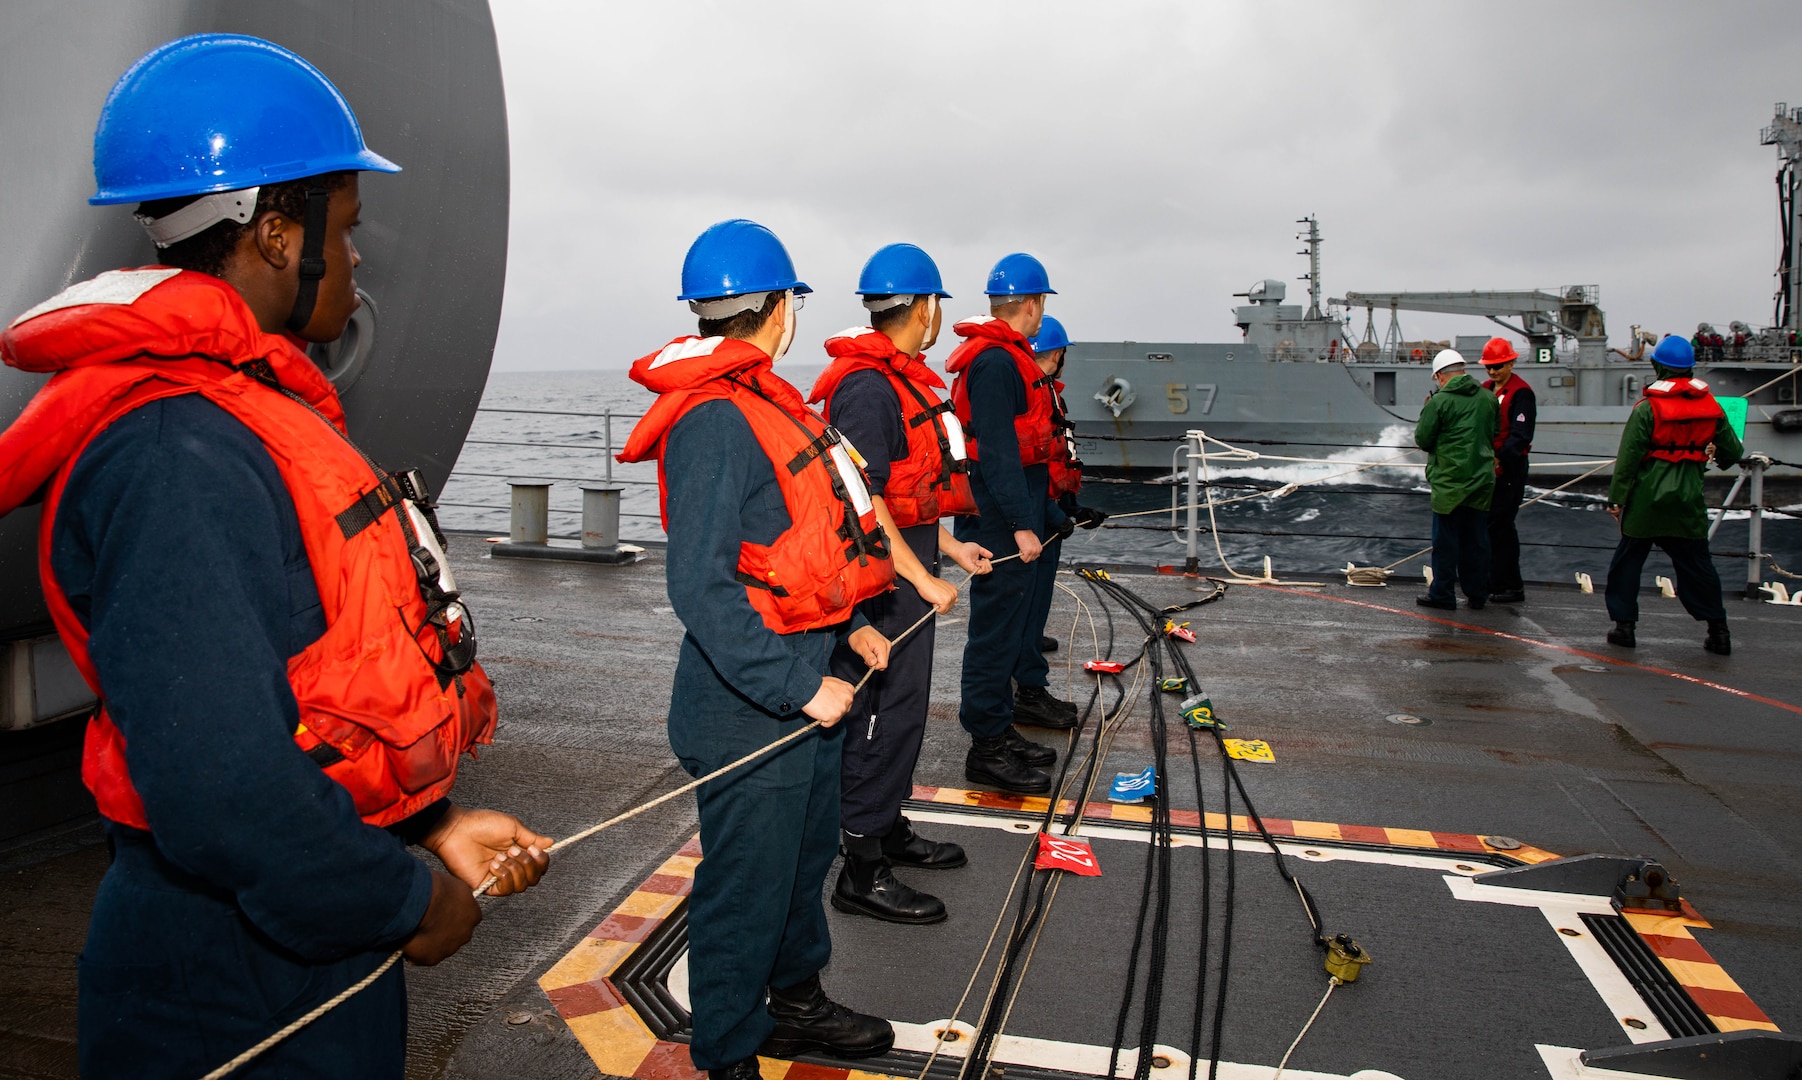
{"x": 869, "y": 887}
{"x": 807, "y": 1021}
{"x": 991, "y": 762}
{"x": 1047, "y": 643}
{"x": 1034, "y": 754}
{"x": 904, "y": 847}
{"x": 1718, "y": 640}
{"x": 1622, "y": 635}
{"x": 1034, "y": 705}
{"x": 1509, "y": 596}
{"x": 743, "y": 1069}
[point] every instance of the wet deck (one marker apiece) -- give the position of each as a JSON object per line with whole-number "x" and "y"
{"x": 1677, "y": 755}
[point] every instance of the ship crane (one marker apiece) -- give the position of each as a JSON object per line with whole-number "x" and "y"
{"x": 1542, "y": 317}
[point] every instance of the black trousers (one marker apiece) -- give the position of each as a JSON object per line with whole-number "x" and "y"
{"x": 1504, "y": 541}
{"x": 887, "y": 720}
{"x": 1460, "y": 554}
{"x": 1698, "y": 585}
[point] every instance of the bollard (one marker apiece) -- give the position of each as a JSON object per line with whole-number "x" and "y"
{"x": 600, "y": 517}
{"x": 1192, "y": 561}
{"x": 1755, "y": 530}
{"x": 531, "y": 512}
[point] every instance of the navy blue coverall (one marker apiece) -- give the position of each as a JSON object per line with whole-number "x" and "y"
{"x": 261, "y": 892}
{"x": 769, "y": 831}
{"x": 1003, "y": 645}
{"x": 887, "y": 721}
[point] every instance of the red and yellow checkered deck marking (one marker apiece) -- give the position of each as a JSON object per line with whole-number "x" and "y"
{"x": 1032, "y": 805}
{"x": 1704, "y": 980}
{"x": 581, "y": 987}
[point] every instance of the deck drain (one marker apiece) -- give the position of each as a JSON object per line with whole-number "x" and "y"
{"x": 1160, "y": 1061}
{"x": 1568, "y": 932}
{"x": 948, "y": 1036}
{"x": 1635, "y": 1023}
{"x": 1407, "y": 718}
{"x": 519, "y": 1016}
{"x": 1501, "y": 843}
{"x": 1592, "y": 667}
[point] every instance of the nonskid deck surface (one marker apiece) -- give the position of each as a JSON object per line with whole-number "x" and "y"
{"x": 1567, "y": 752}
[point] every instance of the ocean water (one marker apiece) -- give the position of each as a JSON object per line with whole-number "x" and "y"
{"x": 553, "y": 425}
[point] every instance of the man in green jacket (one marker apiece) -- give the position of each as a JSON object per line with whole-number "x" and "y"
{"x": 1656, "y": 494}
{"x": 1457, "y": 429}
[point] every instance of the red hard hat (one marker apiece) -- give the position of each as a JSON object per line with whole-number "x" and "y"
{"x": 1498, "y": 351}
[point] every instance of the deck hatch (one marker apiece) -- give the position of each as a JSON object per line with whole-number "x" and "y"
{"x": 1667, "y": 999}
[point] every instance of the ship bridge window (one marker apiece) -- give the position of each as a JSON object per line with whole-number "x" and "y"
{"x": 1384, "y": 390}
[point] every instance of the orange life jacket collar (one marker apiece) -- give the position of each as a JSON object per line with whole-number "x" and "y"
{"x": 378, "y": 705}
{"x": 933, "y": 479}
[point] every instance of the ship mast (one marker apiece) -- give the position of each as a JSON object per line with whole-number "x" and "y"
{"x": 1312, "y": 277}
{"x": 1785, "y": 133}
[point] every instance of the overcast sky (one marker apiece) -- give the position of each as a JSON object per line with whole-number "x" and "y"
{"x": 1154, "y": 155}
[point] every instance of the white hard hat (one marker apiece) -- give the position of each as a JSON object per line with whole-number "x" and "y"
{"x": 1447, "y": 358}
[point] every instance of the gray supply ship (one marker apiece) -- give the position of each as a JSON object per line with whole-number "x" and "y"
{"x": 1297, "y": 384}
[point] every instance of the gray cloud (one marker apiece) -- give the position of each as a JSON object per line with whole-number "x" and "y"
{"x": 1154, "y": 154}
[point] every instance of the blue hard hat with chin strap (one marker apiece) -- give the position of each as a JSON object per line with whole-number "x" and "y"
{"x": 901, "y": 269}
{"x": 1675, "y": 352}
{"x": 222, "y": 112}
{"x": 1019, "y": 274}
{"x": 736, "y": 257}
{"x": 1051, "y": 336}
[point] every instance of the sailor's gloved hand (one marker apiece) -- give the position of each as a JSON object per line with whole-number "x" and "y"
{"x": 1088, "y": 517}
{"x": 473, "y": 844}
{"x": 1064, "y": 529}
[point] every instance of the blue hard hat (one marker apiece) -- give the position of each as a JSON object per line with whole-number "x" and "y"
{"x": 1674, "y": 352}
{"x": 1019, "y": 274}
{"x": 901, "y": 269}
{"x": 1051, "y": 336}
{"x": 737, "y": 257}
{"x": 222, "y": 112}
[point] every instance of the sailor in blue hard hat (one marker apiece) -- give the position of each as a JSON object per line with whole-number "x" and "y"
{"x": 773, "y": 540}
{"x": 1656, "y": 494}
{"x": 1006, "y": 403}
{"x": 1049, "y": 346}
{"x": 880, "y": 393}
{"x": 205, "y": 553}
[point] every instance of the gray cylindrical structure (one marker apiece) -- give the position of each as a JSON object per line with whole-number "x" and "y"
{"x": 1192, "y": 563}
{"x": 600, "y": 517}
{"x": 531, "y": 511}
{"x": 1755, "y": 531}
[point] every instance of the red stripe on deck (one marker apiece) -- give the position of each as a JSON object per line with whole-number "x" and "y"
{"x": 585, "y": 999}
{"x": 1365, "y": 834}
{"x": 668, "y": 884}
{"x": 1459, "y": 842}
{"x": 668, "y": 1061}
{"x": 1726, "y": 1003}
{"x": 1188, "y": 819}
{"x": 1599, "y": 657}
{"x": 617, "y": 927}
{"x": 1677, "y": 948}
{"x": 693, "y": 848}
{"x": 800, "y": 1070}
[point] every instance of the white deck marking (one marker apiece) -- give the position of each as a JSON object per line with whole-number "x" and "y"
{"x": 1563, "y": 911}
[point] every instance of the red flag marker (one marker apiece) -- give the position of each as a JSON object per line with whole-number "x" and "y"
{"x": 1058, "y": 853}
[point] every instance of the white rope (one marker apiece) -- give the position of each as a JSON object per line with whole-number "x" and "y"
{"x": 1332, "y": 983}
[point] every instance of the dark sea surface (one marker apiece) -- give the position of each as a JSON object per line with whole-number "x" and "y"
{"x": 1372, "y": 517}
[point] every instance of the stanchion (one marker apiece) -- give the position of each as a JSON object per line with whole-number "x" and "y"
{"x": 1192, "y": 556}
{"x": 1755, "y": 534}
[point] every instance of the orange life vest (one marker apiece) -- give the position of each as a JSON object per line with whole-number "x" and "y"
{"x": 1684, "y": 418}
{"x": 1066, "y": 467}
{"x": 1503, "y": 393}
{"x": 390, "y": 694}
{"x": 832, "y": 555}
{"x": 933, "y": 480}
{"x": 1033, "y": 428}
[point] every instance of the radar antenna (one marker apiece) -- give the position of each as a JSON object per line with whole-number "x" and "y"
{"x": 1785, "y": 133}
{"x": 1312, "y": 238}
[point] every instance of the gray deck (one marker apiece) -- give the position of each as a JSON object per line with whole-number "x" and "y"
{"x": 1525, "y": 741}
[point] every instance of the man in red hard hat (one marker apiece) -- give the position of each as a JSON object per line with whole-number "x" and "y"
{"x": 1520, "y": 413}
{"x": 285, "y": 669}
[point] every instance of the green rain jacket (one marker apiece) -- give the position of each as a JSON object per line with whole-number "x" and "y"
{"x": 1457, "y": 429}
{"x": 1664, "y": 498}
